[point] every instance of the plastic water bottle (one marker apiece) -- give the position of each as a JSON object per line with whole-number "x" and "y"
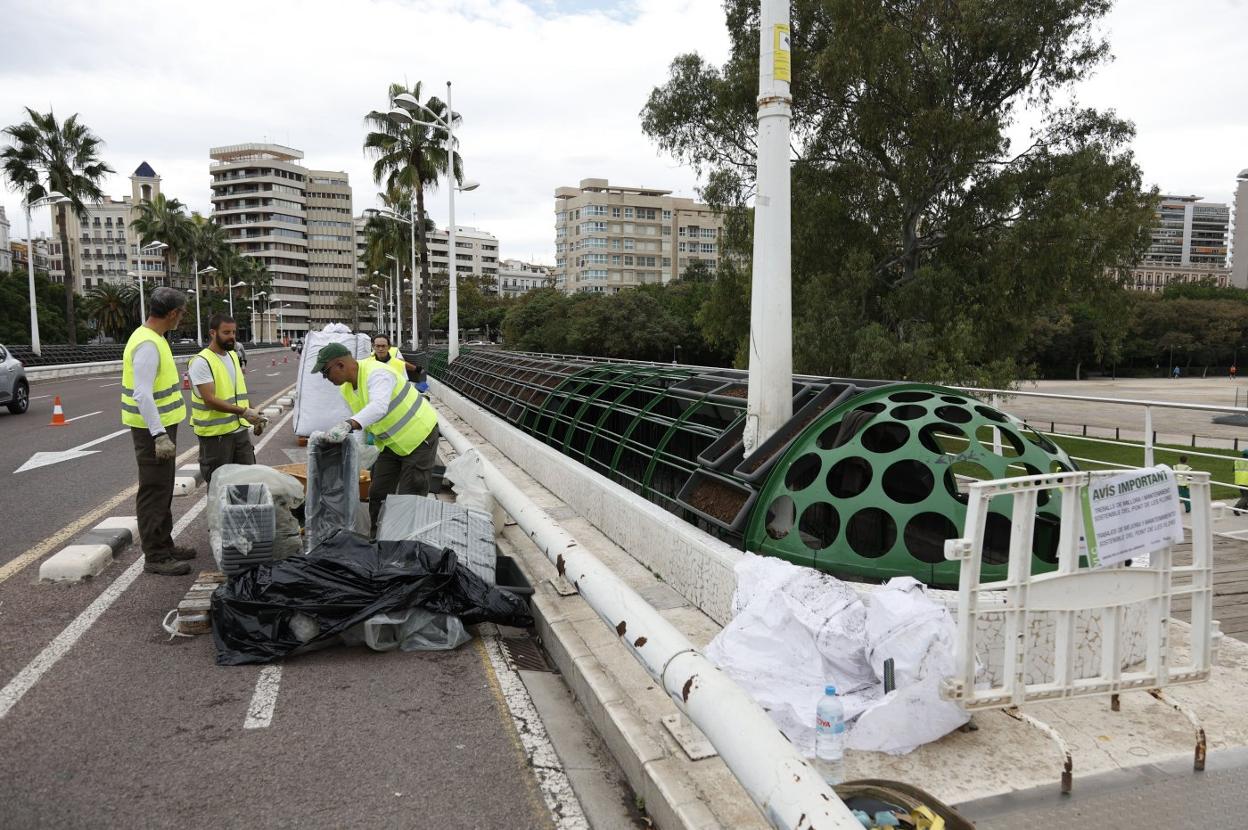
{"x": 830, "y": 737}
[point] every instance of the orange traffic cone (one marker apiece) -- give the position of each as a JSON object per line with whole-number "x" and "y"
{"x": 273, "y": 363}
{"x": 284, "y": 360}
{"x": 186, "y": 380}
{"x": 58, "y": 414}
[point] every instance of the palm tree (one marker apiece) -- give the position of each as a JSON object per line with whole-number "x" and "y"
{"x": 164, "y": 219}
{"x": 109, "y": 306}
{"x": 45, "y": 157}
{"x": 410, "y": 158}
{"x": 205, "y": 241}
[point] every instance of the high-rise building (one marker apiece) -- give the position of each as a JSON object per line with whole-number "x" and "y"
{"x": 102, "y": 246}
{"x": 476, "y": 253}
{"x": 6, "y": 254}
{"x": 1239, "y": 243}
{"x": 516, "y": 277}
{"x": 1189, "y": 244}
{"x": 296, "y": 221}
{"x": 331, "y": 249}
{"x": 611, "y": 237}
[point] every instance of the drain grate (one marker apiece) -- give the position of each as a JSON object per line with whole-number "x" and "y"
{"x": 526, "y": 654}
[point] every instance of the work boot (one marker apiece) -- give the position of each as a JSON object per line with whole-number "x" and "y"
{"x": 166, "y": 567}
{"x": 182, "y": 553}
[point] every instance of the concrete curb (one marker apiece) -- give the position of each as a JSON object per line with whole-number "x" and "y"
{"x": 91, "y": 551}
{"x": 187, "y": 480}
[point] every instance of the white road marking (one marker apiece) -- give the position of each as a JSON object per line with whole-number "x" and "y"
{"x": 58, "y": 648}
{"x": 272, "y": 374}
{"x": 106, "y": 385}
{"x": 556, "y": 789}
{"x": 264, "y": 700}
{"x": 39, "y": 397}
{"x": 43, "y": 459}
{"x": 80, "y": 417}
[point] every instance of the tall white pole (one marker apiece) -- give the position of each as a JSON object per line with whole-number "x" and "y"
{"x": 452, "y": 289}
{"x": 199, "y": 331}
{"x": 252, "y": 317}
{"x": 30, "y": 272}
{"x": 411, "y": 227}
{"x": 770, "y": 401}
{"x": 396, "y": 294}
{"x": 229, "y": 286}
{"x": 138, "y": 257}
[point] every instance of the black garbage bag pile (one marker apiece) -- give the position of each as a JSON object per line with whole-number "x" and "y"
{"x": 285, "y": 607}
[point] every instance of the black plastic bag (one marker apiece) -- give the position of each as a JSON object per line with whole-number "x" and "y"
{"x": 298, "y": 604}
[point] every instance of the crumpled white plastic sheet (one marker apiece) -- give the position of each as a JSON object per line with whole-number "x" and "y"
{"x": 796, "y": 630}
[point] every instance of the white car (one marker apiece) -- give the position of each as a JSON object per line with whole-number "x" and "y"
{"x": 14, "y": 388}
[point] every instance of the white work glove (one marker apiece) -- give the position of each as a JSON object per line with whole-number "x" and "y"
{"x": 166, "y": 450}
{"x": 252, "y": 416}
{"x": 338, "y": 432}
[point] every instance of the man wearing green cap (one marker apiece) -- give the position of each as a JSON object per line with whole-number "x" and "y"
{"x": 403, "y": 424}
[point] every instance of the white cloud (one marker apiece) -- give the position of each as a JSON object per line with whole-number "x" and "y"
{"x": 549, "y": 90}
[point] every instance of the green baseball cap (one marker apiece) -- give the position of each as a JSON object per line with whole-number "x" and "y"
{"x": 333, "y": 351}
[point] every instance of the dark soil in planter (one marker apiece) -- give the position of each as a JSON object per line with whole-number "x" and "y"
{"x": 735, "y": 392}
{"x": 714, "y": 498}
{"x": 757, "y": 460}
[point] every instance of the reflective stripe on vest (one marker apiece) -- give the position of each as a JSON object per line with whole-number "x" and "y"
{"x": 167, "y": 388}
{"x": 208, "y": 422}
{"x": 408, "y": 420}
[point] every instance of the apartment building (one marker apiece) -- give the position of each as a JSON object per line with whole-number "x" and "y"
{"x": 297, "y": 221}
{"x": 102, "y": 247}
{"x": 331, "y": 248}
{"x": 1239, "y": 242}
{"x": 1189, "y": 244}
{"x": 6, "y": 254}
{"x": 516, "y": 277}
{"x": 476, "y": 253}
{"x": 43, "y": 260}
{"x": 609, "y": 237}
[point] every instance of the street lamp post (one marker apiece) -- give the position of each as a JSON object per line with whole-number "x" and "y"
{"x": 51, "y": 199}
{"x": 397, "y": 293}
{"x": 408, "y": 103}
{"x": 239, "y": 284}
{"x": 254, "y": 295}
{"x": 154, "y": 247}
{"x": 770, "y": 400}
{"x": 199, "y": 331}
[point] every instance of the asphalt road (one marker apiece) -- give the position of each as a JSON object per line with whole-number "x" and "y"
{"x": 106, "y": 722}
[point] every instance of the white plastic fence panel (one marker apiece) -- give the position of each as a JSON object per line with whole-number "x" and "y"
{"x": 1075, "y": 588}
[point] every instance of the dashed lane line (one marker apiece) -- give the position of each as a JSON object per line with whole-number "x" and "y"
{"x": 58, "y": 648}
{"x": 58, "y": 539}
{"x": 80, "y": 417}
{"x": 264, "y": 699}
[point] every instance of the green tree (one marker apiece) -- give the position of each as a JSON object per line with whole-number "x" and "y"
{"x": 164, "y": 220}
{"x": 50, "y": 157}
{"x": 15, "y": 309}
{"x": 536, "y": 322}
{"x": 409, "y": 158}
{"x": 112, "y": 309}
{"x": 924, "y": 243}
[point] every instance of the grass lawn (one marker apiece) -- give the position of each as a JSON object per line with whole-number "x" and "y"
{"x": 1221, "y": 470}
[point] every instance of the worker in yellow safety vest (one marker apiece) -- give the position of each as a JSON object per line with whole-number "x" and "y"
{"x": 152, "y": 406}
{"x": 221, "y": 412}
{"x": 390, "y": 357}
{"x": 390, "y": 409}
{"x": 1241, "y": 480}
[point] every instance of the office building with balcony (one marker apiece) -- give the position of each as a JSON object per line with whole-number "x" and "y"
{"x": 102, "y": 246}
{"x": 259, "y": 197}
{"x": 516, "y": 277}
{"x": 1239, "y": 240}
{"x": 609, "y": 237}
{"x": 1188, "y": 245}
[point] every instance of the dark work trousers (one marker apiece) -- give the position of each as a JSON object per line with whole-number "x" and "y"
{"x": 153, "y": 504}
{"x": 218, "y": 450}
{"x": 402, "y": 475}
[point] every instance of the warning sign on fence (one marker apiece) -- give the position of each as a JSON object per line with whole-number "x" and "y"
{"x": 1131, "y": 515}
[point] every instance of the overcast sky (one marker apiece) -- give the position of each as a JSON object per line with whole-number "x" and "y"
{"x": 549, "y": 90}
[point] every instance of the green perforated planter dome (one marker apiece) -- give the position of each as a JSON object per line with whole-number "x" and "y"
{"x": 874, "y": 487}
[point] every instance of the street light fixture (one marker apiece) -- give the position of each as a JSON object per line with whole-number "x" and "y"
{"x": 199, "y": 331}
{"x": 406, "y": 103}
{"x": 397, "y": 293}
{"x": 254, "y": 295}
{"x": 150, "y": 249}
{"x": 53, "y": 198}
{"x": 239, "y": 284}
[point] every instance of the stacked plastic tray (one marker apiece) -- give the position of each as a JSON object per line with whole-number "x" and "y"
{"x": 470, "y": 533}
{"x": 248, "y": 526}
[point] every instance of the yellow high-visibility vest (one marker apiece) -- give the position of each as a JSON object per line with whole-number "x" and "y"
{"x": 210, "y": 422}
{"x": 1241, "y": 471}
{"x": 394, "y": 364}
{"x": 408, "y": 421}
{"x": 166, "y": 391}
